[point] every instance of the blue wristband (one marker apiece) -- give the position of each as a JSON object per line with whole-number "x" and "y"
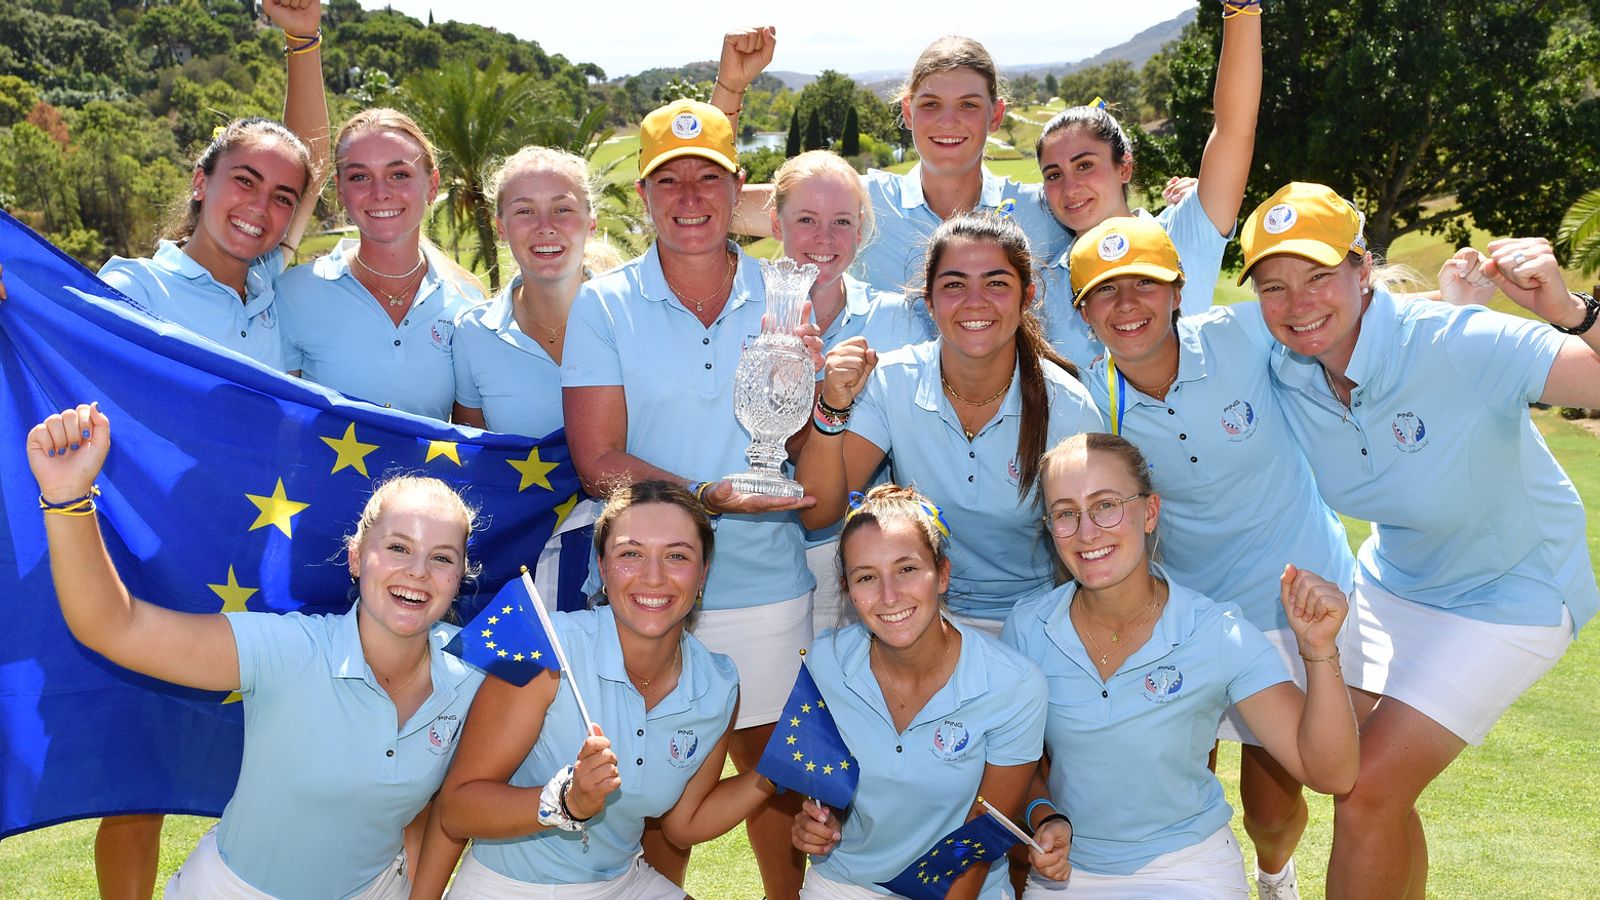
{"x": 1027, "y": 816}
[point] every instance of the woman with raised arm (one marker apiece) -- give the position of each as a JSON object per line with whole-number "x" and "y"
{"x": 939, "y": 714}
{"x": 291, "y": 830}
{"x": 1141, "y": 669}
{"x": 1415, "y": 417}
{"x": 648, "y": 378}
{"x": 375, "y": 319}
{"x": 1086, "y": 160}
{"x": 965, "y": 416}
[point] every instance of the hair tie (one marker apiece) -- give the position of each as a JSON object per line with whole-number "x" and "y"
{"x": 1098, "y": 103}
{"x": 938, "y": 517}
{"x": 855, "y": 500}
{"x": 217, "y": 131}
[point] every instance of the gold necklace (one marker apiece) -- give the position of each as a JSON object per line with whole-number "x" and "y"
{"x": 996, "y": 396}
{"x": 554, "y": 333}
{"x": 1344, "y": 408}
{"x": 1159, "y": 393}
{"x": 948, "y": 643}
{"x": 1116, "y": 636}
{"x": 421, "y": 261}
{"x": 645, "y": 682}
{"x": 699, "y": 305}
{"x": 414, "y": 673}
{"x": 406, "y": 294}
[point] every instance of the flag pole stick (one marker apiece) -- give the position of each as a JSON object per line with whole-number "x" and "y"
{"x": 1010, "y": 825}
{"x": 561, "y": 654}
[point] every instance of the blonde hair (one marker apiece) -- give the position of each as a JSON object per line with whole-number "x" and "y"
{"x": 185, "y": 214}
{"x": 818, "y": 164}
{"x": 1125, "y": 452}
{"x": 598, "y": 254}
{"x": 383, "y": 118}
{"x": 426, "y": 488}
{"x": 947, "y": 54}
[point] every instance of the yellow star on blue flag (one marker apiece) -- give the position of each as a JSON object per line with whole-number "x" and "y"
{"x": 982, "y": 840}
{"x": 507, "y": 639}
{"x": 808, "y": 754}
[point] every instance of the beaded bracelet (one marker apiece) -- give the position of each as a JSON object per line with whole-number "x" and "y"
{"x": 826, "y": 426}
{"x": 828, "y": 420}
{"x": 833, "y": 412}
{"x": 76, "y": 507}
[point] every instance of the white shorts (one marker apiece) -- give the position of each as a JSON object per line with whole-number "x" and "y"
{"x": 475, "y": 880}
{"x": 764, "y": 643}
{"x": 827, "y": 601}
{"x": 1459, "y": 672}
{"x": 817, "y": 887}
{"x": 1210, "y": 870}
{"x": 1232, "y": 727}
{"x": 204, "y": 876}
{"x": 991, "y": 627}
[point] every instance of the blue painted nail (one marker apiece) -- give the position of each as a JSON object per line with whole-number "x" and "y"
{"x": 50, "y": 452}
{"x": 74, "y": 446}
{"x": 86, "y": 434}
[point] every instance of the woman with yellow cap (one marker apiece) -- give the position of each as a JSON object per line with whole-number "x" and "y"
{"x": 1195, "y": 395}
{"x": 1414, "y": 416}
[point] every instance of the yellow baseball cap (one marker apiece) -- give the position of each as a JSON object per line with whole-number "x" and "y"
{"x": 686, "y": 128}
{"x": 1309, "y": 220}
{"x": 1124, "y": 245}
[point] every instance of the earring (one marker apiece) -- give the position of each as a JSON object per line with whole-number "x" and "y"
{"x": 354, "y": 593}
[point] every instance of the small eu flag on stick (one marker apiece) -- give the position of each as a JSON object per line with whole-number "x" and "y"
{"x": 982, "y": 840}
{"x": 513, "y": 638}
{"x": 806, "y": 753}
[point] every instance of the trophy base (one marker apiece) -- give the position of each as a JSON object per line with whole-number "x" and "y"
{"x": 767, "y": 483}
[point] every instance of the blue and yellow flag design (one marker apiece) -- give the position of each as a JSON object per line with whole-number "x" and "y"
{"x": 229, "y": 487}
{"x": 807, "y": 753}
{"x": 980, "y": 841}
{"x": 508, "y": 638}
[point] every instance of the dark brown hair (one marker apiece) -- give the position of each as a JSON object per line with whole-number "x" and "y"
{"x": 185, "y": 215}
{"x": 626, "y": 496}
{"x": 1100, "y": 124}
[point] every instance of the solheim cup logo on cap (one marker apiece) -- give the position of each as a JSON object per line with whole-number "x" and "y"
{"x": 1113, "y": 247}
{"x": 686, "y": 125}
{"x": 1162, "y": 684}
{"x": 1238, "y": 420}
{"x": 951, "y": 740}
{"x": 1280, "y": 218}
{"x": 1410, "y": 434}
{"x": 442, "y": 734}
{"x": 681, "y": 748}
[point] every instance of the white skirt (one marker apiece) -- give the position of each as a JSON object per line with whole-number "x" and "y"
{"x": 1459, "y": 672}
{"x": 475, "y": 880}
{"x": 1233, "y": 727}
{"x": 817, "y": 887}
{"x": 204, "y": 876}
{"x": 991, "y": 627}
{"x": 828, "y": 601}
{"x": 1210, "y": 870}
{"x": 764, "y": 643}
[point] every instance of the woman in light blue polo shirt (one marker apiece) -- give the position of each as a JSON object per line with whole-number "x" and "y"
{"x": 554, "y": 814}
{"x": 937, "y": 714}
{"x": 327, "y": 688}
{"x": 964, "y": 417}
{"x": 1140, "y": 669}
{"x": 1414, "y": 416}
{"x": 507, "y": 352}
{"x": 1238, "y": 498}
{"x": 376, "y": 319}
{"x": 1086, "y": 160}
{"x": 822, "y": 215}
{"x": 647, "y": 380}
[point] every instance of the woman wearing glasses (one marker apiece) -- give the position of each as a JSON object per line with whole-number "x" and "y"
{"x": 1127, "y": 806}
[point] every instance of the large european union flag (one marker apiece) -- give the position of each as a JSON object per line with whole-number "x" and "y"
{"x": 980, "y": 840}
{"x": 229, "y": 487}
{"x": 806, "y": 752}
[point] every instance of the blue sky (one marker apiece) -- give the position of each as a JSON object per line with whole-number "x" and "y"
{"x": 626, "y": 36}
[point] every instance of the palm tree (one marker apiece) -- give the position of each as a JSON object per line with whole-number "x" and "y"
{"x": 1579, "y": 234}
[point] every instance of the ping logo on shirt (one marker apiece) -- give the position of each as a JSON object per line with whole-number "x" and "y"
{"x": 1162, "y": 684}
{"x": 442, "y": 734}
{"x": 442, "y": 332}
{"x": 1239, "y": 420}
{"x": 681, "y": 748}
{"x": 1280, "y": 218}
{"x": 950, "y": 740}
{"x": 685, "y": 125}
{"x": 1012, "y": 471}
{"x": 1410, "y": 434}
{"x": 267, "y": 317}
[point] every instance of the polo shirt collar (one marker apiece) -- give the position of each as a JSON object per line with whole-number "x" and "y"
{"x": 1191, "y": 362}
{"x": 346, "y": 659}
{"x": 990, "y": 196}
{"x": 969, "y": 679}
{"x": 336, "y": 265}
{"x": 747, "y": 281}
{"x": 609, "y": 665}
{"x": 1176, "y": 624}
{"x": 258, "y": 293}
{"x": 930, "y": 385}
{"x": 1378, "y": 325}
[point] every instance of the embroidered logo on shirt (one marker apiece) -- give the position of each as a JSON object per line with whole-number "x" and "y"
{"x": 951, "y": 740}
{"x": 1162, "y": 684}
{"x": 682, "y": 747}
{"x": 1113, "y": 247}
{"x": 1410, "y": 434}
{"x": 686, "y": 125}
{"x": 1280, "y": 218}
{"x": 442, "y": 332}
{"x": 268, "y": 318}
{"x": 1012, "y": 472}
{"x": 442, "y": 734}
{"x": 1238, "y": 420}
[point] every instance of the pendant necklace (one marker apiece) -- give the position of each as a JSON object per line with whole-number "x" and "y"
{"x": 645, "y": 682}
{"x": 391, "y": 691}
{"x": 1116, "y": 635}
{"x": 699, "y": 305}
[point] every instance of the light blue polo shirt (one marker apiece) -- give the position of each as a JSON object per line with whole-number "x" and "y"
{"x": 1199, "y": 247}
{"x": 658, "y": 751}
{"x": 339, "y": 335}
{"x": 1128, "y": 755}
{"x": 918, "y": 785}
{"x": 627, "y": 329}
{"x": 178, "y": 289}
{"x": 328, "y": 782}
{"x": 893, "y": 260}
{"x": 504, "y": 371}
{"x": 1237, "y": 497}
{"x": 1471, "y": 513}
{"x": 998, "y": 552}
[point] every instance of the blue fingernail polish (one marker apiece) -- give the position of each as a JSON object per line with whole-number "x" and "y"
{"x": 74, "y": 446}
{"x": 86, "y": 434}
{"x": 50, "y": 452}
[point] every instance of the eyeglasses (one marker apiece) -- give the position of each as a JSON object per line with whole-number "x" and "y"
{"x": 1104, "y": 513}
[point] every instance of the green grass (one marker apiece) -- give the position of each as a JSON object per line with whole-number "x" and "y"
{"x": 1514, "y": 818}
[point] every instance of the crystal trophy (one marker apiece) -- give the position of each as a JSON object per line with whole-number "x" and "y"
{"x": 775, "y": 383}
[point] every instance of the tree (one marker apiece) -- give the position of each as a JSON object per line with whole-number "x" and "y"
{"x": 850, "y": 140}
{"x": 17, "y": 99}
{"x": 1052, "y": 87}
{"x": 1578, "y": 238}
{"x": 814, "y": 139}
{"x": 167, "y": 29}
{"x": 1402, "y": 104}
{"x": 793, "y": 147}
